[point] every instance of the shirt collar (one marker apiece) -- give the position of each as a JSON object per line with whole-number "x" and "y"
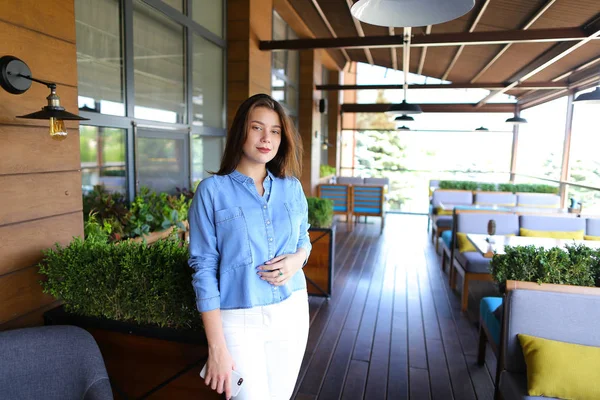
{"x": 238, "y": 176}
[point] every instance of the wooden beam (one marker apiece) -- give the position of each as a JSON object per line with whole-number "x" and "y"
{"x": 360, "y": 32}
{"x": 434, "y": 107}
{"x": 530, "y": 22}
{"x": 332, "y": 59}
{"x": 423, "y": 53}
{"x": 434, "y": 39}
{"x": 329, "y": 27}
{"x": 456, "y": 85}
{"x": 462, "y": 46}
{"x": 551, "y": 56}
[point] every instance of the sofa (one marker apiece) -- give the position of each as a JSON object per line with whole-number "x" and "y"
{"x": 52, "y": 363}
{"x": 558, "y": 316}
{"x": 472, "y": 265}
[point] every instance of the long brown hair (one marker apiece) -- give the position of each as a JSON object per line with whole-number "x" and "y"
{"x": 287, "y": 160}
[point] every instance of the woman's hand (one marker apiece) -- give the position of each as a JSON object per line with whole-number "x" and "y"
{"x": 281, "y": 268}
{"x": 218, "y": 370}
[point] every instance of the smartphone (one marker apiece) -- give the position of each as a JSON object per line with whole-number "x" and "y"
{"x": 236, "y": 381}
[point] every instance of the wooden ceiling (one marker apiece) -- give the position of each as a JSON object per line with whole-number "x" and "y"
{"x": 571, "y": 61}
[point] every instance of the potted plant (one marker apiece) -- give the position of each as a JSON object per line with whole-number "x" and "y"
{"x": 137, "y": 301}
{"x": 319, "y": 269}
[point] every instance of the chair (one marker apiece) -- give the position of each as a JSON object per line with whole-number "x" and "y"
{"x": 473, "y": 266}
{"x": 565, "y": 317}
{"x": 368, "y": 201}
{"x": 340, "y": 194}
{"x": 52, "y": 363}
{"x": 443, "y": 223}
{"x": 489, "y": 326}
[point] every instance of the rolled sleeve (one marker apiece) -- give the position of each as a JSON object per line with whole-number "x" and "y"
{"x": 304, "y": 237}
{"x": 204, "y": 256}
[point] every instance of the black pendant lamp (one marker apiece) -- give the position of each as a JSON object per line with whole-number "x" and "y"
{"x": 404, "y": 117}
{"x": 589, "y": 98}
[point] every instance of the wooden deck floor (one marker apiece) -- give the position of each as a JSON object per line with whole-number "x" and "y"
{"x": 392, "y": 329}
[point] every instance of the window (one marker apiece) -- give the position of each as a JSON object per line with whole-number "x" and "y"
{"x": 103, "y": 158}
{"x": 133, "y": 59}
{"x": 158, "y": 54}
{"x": 207, "y": 84}
{"x": 285, "y": 69}
{"x": 541, "y": 140}
{"x": 206, "y": 155}
{"x": 99, "y": 56}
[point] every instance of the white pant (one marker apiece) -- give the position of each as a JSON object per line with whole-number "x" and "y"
{"x": 267, "y": 345}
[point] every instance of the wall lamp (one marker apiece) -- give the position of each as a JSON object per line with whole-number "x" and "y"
{"x": 15, "y": 78}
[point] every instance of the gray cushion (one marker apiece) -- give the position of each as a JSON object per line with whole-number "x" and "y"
{"x": 349, "y": 180}
{"x": 377, "y": 181}
{"x": 52, "y": 363}
{"x": 476, "y": 222}
{"x": 473, "y": 261}
{"x": 514, "y": 386}
{"x": 592, "y": 226}
{"x": 443, "y": 221}
{"x": 495, "y": 198}
{"x": 541, "y": 199}
{"x": 572, "y": 318}
{"x": 552, "y": 223}
{"x": 452, "y": 197}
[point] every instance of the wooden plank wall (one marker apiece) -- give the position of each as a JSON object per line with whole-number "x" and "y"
{"x": 40, "y": 179}
{"x": 248, "y": 68}
{"x": 309, "y": 118}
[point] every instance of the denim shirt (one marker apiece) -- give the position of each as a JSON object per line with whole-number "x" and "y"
{"x": 233, "y": 230}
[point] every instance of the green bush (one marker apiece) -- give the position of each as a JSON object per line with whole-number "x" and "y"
{"x": 506, "y": 187}
{"x": 126, "y": 281}
{"x": 459, "y": 185}
{"x": 326, "y": 170}
{"x": 487, "y": 187}
{"x": 575, "y": 265}
{"x": 501, "y": 187}
{"x": 320, "y": 212}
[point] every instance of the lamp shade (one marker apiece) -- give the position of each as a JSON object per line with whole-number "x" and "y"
{"x": 516, "y": 120}
{"x": 403, "y": 128}
{"x": 589, "y": 98}
{"x": 404, "y": 108}
{"x": 409, "y": 12}
{"x": 53, "y": 112}
{"x": 482, "y": 128}
{"x": 404, "y": 117}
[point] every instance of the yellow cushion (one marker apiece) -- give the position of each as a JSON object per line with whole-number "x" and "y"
{"x": 464, "y": 244}
{"x": 590, "y": 237}
{"x": 540, "y": 205}
{"x": 439, "y": 211}
{"x": 575, "y": 235}
{"x": 559, "y": 369}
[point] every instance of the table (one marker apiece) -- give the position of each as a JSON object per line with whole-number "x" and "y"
{"x": 488, "y": 250}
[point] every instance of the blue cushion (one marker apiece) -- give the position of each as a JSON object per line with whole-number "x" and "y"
{"x": 487, "y": 306}
{"x": 447, "y": 238}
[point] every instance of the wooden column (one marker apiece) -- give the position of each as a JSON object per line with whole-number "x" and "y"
{"x": 334, "y": 122}
{"x": 248, "y": 68}
{"x": 309, "y": 118}
{"x": 40, "y": 179}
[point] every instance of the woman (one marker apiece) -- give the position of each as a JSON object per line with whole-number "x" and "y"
{"x": 248, "y": 243}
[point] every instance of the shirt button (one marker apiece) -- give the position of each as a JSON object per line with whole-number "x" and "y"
{"x": 265, "y": 207}
{"x": 268, "y": 222}
{"x": 270, "y": 239}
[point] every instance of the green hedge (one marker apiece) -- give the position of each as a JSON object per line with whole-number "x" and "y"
{"x": 127, "y": 281}
{"x": 575, "y": 265}
{"x": 326, "y": 170}
{"x": 501, "y": 187}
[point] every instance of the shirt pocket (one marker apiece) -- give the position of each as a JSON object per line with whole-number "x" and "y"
{"x": 296, "y": 215}
{"x": 233, "y": 241}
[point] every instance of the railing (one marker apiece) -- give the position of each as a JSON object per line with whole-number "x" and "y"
{"x": 409, "y": 189}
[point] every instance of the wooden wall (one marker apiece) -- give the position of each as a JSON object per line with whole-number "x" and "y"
{"x": 40, "y": 179}
{"x": 248, "y": 68}
{"x": 334, "y": 122}
{"x": 309, "y": 118}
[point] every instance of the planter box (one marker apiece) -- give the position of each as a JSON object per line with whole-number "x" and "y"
{"x": 319, "y": 269}
{"x": 146, "y": 361}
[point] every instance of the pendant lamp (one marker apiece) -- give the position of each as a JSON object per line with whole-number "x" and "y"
{"x": 589, "y": 98}
{"x": 516, "y": 120}
{"x": 404, "y": 117}
{"x": 409, "y": 12}
{"x": 482, "y": 128}
{"x": 403, "y": 128}
{"x": 404, "y": 107}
